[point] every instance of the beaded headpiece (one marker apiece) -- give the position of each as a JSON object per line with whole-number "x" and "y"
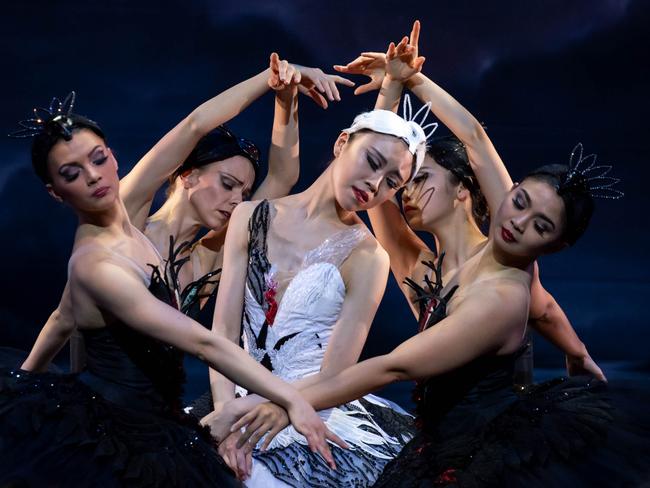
{"x": 57, "y": 117}
{"x": 219, "y": 144}
{"x": 584, "y": 173}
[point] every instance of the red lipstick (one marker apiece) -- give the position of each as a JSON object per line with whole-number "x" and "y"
{"x": 360, "y": 195}
{"x": 507, "y": 235}
{"x": 101, "y": 191}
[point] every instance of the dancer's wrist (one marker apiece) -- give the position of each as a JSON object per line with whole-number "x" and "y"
{"x": 578, "y": 353}
{"x": 413, "y": 81}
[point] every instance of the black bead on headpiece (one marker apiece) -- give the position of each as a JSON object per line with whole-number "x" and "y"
{"x": 584, "y": 174}
{"x": 56, "y": 118}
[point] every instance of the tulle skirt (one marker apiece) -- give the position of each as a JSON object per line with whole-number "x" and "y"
{"x": 55, "y": 430}
{"x": 564, "y": 432}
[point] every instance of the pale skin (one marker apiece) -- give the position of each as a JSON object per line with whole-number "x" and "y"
{"x": 223, "y": 184}
{"x": 443, "y": 210}
{"x": 326, "y": 207}
{"x": 487, "y": 315}
{"x": 106, "y": 283}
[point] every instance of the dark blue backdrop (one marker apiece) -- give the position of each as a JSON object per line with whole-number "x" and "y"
{"x": 541, "y": 75}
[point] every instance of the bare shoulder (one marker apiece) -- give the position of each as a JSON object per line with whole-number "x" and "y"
{"x": 84, "y": 262}
{"x": 244, "y": 210}
{"x": 240, "y": 217}
{"x": 368, "y": 259}
{"x": 371, "y": 250}
{"x": 502, "y": 296}
{"x": 94, "y": 267}
{"x": 92, "y": 276}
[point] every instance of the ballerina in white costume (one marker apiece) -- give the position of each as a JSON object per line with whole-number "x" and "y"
{"x": 293, "y": 346}
{"x": 302, "y": 280}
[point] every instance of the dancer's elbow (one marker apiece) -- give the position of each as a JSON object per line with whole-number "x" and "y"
{"x": 395, "y": 370}
{"x": 208, "y": 347}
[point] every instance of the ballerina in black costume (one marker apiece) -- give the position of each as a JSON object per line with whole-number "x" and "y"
{"x": 475, "y": 429}
{"x": 120, "y": 422}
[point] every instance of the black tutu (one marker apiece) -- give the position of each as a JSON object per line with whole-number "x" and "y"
{"x": 564, "y": 432}
{"x": 119, "y": 423}
{"x": 475, "y": 429}
{"x": 57, "y": 431}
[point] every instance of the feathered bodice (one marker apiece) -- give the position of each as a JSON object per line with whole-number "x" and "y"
{"x": 289, "y": 333}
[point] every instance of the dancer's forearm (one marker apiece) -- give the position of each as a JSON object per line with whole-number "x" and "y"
{"x": 50, "y": 341}
{"x": 352, "y": 383}
{"x": 389, "y": 94}
{"x": 284, "y": 152}
{"x": 55, "y": 333}
{"x": 446, "y": 108}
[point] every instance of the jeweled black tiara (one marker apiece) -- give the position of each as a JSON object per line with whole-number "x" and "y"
{"x": 58, "y": 115}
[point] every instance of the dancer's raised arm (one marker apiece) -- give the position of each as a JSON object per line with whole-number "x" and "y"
{"x": 284, "y": 151}
{"x": 147, "y": 176}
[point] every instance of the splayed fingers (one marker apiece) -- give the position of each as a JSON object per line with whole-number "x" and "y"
{"x": 321, "y": 86}
{"x": 370, "y": 64}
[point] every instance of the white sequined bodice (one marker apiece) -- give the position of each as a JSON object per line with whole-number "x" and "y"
{"x": 307, "y": 311}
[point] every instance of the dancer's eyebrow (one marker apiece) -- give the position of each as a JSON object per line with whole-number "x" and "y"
{"x": 73, "y": 163}
{"x": 376, "y": 154}
{"x": 241, "y": 183}
{"x": 94, "y": 149}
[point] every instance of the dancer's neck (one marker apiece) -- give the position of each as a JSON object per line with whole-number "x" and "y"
{"x": 459, "y": 238}
{"x": 176, "y": 216}
{"x": 318, "y": 201}
{"x": 114, "y": 220}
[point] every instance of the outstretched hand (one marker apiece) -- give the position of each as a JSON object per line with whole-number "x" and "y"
{"x": 270, "y": 419}
{"x": 403, "y": 60}
{"x": 370, "y": 64}
{"x": 400, "y": 62}
{"x": 312, "y": 82}
{"x": 320, "y": 86}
